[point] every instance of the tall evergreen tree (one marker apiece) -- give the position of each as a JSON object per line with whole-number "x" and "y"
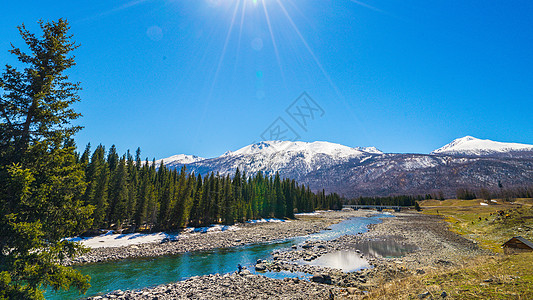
{"x": 41, "y": 180}
{"x": 96, "y": 194}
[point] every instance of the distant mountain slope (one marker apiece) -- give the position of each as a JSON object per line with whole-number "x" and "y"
{"x": 466, "y": 162}
{"x": 291, "y": 159}
{"x": 471, "y": 146}
{"x": 179, "y": 160}
{"x": 394, "y": 174}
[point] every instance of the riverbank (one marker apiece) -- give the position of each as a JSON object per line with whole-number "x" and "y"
{"x": 436, "y": 249}
{"x": 486, "y": 276}
{"x": 433, "y": 247}
{"x": 247, "y": 233}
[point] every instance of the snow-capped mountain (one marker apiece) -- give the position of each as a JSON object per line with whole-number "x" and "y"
{"x": 366, "y": 171}
{"x": 309, "y": 150}
{"x": 471, "y": 146}
{"x": 293, "y": 159}
{"x": 179, "y": 160}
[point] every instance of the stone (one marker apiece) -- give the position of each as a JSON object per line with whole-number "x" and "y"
{"x": 423, "y": 295}
{"x": 321, "y": 278}
{"x": 443, "y": 294}
{"x": 260, "y": 267}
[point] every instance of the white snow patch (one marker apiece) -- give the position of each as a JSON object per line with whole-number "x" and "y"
{"x": 481, "y": 203}
{"x": 308, "y": 149}
{"x": 211, "y": 229}
{"x": 307, "y": 214}
{"x": 270, "y": 220}
{"x": 118, "y": 240}
{"x": 110, "y": 239}
{"x": 179, "y": 159}
{"x": 469, "y": 145}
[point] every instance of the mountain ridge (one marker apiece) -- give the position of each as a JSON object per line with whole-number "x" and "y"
{"x": 367, "y": 171}
{"x": 471, "y": 146}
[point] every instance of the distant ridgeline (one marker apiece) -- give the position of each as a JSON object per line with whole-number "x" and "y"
{"x": 127, "y": 192}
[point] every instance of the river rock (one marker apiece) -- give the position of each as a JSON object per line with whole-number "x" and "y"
{"x": 321, "y": 278}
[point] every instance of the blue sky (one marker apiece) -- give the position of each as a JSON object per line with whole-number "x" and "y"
{"x": 205, "y": 76}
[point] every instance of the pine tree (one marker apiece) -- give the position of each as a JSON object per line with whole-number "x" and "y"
{"x": 41, "y": 179}
{"x": 177, "y": 217}
{"x": 118, "y": 198}
{"x": 96, "y": 194}
{"x": 227, "y": 205}
{"x": 196, "y": 203}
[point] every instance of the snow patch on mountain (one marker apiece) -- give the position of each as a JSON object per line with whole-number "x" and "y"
{"x": 291, "y": 159}
{"x": 308, "y": 149}
{"x": 472, "y": 146}
{"x": 179, "y": 159}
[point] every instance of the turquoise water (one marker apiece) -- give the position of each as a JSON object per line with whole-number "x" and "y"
{"x": 139, "y": 273}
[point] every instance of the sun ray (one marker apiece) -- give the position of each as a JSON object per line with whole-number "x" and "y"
{"x": 219, "y": 65}
{"x": 368, "y": 6}
{"x": 225, "y": 47}
{"x": 240, "y": 34}
{"x": 273, "y": 41}
{"x": 114, "y": 10}
{"x": 311, "y": 52}
{"x": 340, "y": 96}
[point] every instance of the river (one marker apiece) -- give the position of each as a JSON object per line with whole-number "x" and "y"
{"x": 138, "y": 273}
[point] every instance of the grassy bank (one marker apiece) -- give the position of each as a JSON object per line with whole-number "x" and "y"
{"x": 493, "y": 277}
{"x": 486, "y": 277}
{"x": 489, "y": 225}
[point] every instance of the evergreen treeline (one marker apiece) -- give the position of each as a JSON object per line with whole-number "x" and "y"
{"x": 502, "y": 193}
{"x": 465, "y": 194}
{"x": 129, "y": 193}
{"x": 402, "y": 200}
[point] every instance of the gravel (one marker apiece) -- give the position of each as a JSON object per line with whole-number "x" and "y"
{"x": 248, "y": 234}
{"x": 230, "y": 286}
{"x": 437, "y": 248}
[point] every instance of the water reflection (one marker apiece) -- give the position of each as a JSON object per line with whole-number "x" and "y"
{"x": 385, "y": 248}
{"x": 347, "y": 261}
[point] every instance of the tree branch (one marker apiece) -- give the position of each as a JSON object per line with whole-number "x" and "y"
{"x": 4, "y": 113}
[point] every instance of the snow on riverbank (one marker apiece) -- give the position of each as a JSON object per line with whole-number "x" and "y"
{"x": 307, "y": 214}
{"x": 270, "y": 220}
{"x": 210, "y": 229}
{"x": 117, "y": 240}
{"x": 111, "y": 239}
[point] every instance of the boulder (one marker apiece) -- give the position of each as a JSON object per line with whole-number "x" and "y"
{"x": 321, "y": 278}
{"x": 260, "y": 267}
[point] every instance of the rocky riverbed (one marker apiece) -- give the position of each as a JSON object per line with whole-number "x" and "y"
{"x": 432, "y": 246}
{"x": 230, "y": 286}
{"x": 248, "y": 233}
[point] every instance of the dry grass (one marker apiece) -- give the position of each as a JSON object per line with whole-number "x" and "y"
{"x": 494, "y": 277}
{"x": 489, "y": 225}
{"x": 486, "y": 277}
